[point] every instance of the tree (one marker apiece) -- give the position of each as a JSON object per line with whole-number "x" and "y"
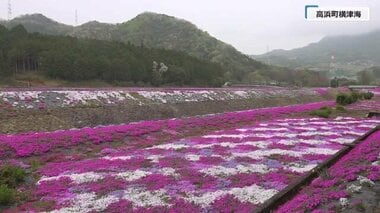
{"x": 158, "y": 72}
{"x": 365, "y": 77}
{"x": 256, "y": 78}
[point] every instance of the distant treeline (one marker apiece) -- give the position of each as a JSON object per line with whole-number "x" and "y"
{"x": 72, "y": 59}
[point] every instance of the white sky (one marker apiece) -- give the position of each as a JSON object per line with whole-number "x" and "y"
{"x": 249, "y": 25}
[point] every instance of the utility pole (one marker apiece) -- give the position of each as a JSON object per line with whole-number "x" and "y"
{"x": 9, "y": 10}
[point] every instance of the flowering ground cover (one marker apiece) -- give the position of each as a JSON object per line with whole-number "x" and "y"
{"x": 214, "y": 163}
{"x": 228, "y": 170}
{"x": 359, "y": 168}
{"x": 33, "y": 143}
{"x": 44, "y": 98}
{"x": 375, "y": 91}
{"x": 368, "y": 105}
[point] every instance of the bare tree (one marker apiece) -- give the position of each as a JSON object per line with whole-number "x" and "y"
{"x": 158, "y": 72}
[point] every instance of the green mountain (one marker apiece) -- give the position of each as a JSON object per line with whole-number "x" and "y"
{"x": 71, "y": 59}
{"x": 38, "y": 23}
{"x": 153, "y": 31}
{"x": 341, "y": 55}
{"x": 95, "y": 30}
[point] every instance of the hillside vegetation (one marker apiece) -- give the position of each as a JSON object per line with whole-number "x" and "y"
{"x": 153, "y": 31}
{"x": 73, "y": 59}
{"x": 127, "y": 52}
{"x": 342, "y": 55}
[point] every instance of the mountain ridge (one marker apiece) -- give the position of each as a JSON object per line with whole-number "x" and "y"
{"x": 342, "y": 53}
{"x": 37, "y": 23}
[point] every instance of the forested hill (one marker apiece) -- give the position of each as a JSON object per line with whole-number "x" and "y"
{"x": 72, "y": 59}
{"x": 153, "y": 31}
{"x": 38, "y": 23}
{"x": 347, "y": 54}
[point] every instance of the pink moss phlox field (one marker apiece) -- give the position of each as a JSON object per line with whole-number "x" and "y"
{"x": 41, "y": 142}
{"x": 228, "y": 170}
{"x": 325, "y": 190}
{"x": 370, "y": 105}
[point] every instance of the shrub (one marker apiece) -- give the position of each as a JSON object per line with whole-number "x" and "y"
{"x": 6, "y": 195}
{"x": 341, "y": 99}
{"x": 345, "y": 99}
{"x": 355, "y": 96}
{"x": 368, "y": 95}
{"x": 11, "y": 175}
{"x": 323, "y": 112}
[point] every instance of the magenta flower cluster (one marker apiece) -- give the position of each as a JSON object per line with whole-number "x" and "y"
{"x": 324, "y": 191}
{"x": 368, "y": 105}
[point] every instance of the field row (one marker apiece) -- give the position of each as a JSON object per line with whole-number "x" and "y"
{"x": 35, "y": 143}
{"x": 342, "y": 185}
{"x": 228, "y": 170}
{"x": 63, "y": 98}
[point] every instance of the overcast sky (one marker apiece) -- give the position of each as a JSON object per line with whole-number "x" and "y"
{"x": 251, "y": 26}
